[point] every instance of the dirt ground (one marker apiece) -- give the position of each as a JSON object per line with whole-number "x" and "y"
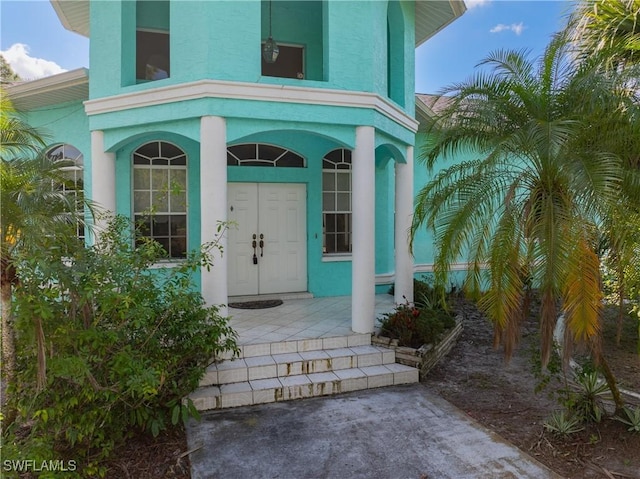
{"x": 502, "y": 396}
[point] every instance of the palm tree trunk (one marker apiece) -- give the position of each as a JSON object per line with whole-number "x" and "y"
{"x": 8, "y": 346}
{"x": 611, "y": 382}
{"x": 621, "y": 293}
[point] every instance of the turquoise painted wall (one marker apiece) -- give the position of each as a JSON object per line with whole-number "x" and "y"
{"x": 221, "y": 40}
{"x": 424, "y": 249}
{"x": 124, "y": 178}
{"x": 68, "y": 123}
{"x": 65, "y": 123}
{"x": 153, "y": 14}
{"x": 298, "y": 23}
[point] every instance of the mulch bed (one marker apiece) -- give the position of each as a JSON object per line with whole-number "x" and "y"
{"x": 502, "y": 397}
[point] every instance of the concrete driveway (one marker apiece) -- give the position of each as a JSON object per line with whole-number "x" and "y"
{"x": 395, "y": 432}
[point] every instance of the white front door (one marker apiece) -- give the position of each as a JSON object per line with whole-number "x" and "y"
{"x": 274, "y": 216}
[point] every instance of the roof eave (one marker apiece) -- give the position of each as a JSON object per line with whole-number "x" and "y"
{"x": 73, "y": 85}
{"x": 73, "y": 14}
{"x": 457, "y": 9}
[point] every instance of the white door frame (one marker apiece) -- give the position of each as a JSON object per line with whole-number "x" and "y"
{"x": 277, "y": 212}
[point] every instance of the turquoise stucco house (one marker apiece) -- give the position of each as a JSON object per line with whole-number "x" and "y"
{"x": 187, "y": 113}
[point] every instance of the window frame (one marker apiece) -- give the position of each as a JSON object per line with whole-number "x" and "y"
{"x": 145, "y": 216}
{"x": 78, "y": 177}
{"x": 284, "y": 47}
{"x": 346, "y": 228}
{"x": 234, "y": 158}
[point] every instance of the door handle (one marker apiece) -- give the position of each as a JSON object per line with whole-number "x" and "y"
{"x": 254, "y": 244}
{"x": 261, "y": 245}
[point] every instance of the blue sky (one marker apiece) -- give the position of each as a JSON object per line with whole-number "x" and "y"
{"x": 35, "y": 43}
{"x": 487, "y": 25}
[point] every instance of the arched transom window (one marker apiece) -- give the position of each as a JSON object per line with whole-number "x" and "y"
{"x": 336, "y": 202}
{"x": 73, "y": 172}
{"x": 160, "y": 195}
{"x": 258, "y": 154}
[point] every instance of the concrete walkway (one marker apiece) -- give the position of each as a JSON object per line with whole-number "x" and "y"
{"x": 395, "y": 432}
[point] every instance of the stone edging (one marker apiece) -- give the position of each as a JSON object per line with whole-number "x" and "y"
{"x": 428, "y": 355}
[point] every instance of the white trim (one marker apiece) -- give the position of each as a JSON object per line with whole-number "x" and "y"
{"x": 250, "y": 91}
{"x": 334, "y": 258}
{"x": 166, "y": 265}
{"x": 385, "y": 278}
{"x": 428, "y": 267}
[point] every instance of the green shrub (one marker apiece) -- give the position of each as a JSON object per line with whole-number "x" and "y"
{"x": 420, "y": 323}
{"x": 589, "y": 391}
{"x": 563, "y": 424}
{"x": 121, "y": 346}
{"x": 631, "y": 418}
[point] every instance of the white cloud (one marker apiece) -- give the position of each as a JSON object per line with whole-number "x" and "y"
{"x": 516, "y": 28}
{"x": 475, "y": 3}
{"x": 28, "y": 67}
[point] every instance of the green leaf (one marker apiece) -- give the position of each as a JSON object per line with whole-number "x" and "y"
{"x": 175, "y": 414}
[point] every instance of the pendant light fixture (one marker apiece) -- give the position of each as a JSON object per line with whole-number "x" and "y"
{"x": 270, "y": 49}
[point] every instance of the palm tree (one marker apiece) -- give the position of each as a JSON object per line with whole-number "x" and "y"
{"x": 525, "y": 211}
{"x": 610, "y": 31}
{"x": 35, "y": 213}
{"x": 611, "y": 27}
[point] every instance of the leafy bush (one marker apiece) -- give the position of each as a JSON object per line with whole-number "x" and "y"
{"x": 589, "y": 391}
{"x": 420, "y": 323}
{"x": 107, "y": 346}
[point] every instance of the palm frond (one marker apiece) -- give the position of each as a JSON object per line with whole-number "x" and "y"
{"x": 582, "y": 293}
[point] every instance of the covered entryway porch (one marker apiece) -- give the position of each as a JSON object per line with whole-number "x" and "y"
{"x": 367, "y": 146}
{"x": 299, "y": 319}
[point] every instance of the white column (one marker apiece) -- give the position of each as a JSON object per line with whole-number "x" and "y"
{"x": 363, "y": 281}
{"x": 213, "y": 206}
{"x": 404, "y": 212}
{"x": 103, "y": 182}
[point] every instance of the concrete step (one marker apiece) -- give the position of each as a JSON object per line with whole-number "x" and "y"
{"x": 261, "y": 391}
{"x": 301, "y": 345}
{"x": 256, "y": 368}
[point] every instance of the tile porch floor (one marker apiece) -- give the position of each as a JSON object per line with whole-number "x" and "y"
{"x": 296, "y": 319}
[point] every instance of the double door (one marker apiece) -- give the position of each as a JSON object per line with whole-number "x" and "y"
{"x": 267, "y": 244}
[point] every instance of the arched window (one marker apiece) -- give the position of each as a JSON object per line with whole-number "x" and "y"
{"x": 160, "y": 195}
{"x": 258, "y": 154}
{"x": 73, "y": 172}
{"x": 336, "y": 202}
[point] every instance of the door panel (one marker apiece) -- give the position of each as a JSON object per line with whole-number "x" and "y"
{"x": 282, "y": 219}
{"x": 243, "y": 198}
{"x": 278, "y": 212}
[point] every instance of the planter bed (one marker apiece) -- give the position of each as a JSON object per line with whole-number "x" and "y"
{"x": 425, "y": 357}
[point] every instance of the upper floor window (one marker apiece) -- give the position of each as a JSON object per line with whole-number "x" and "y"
{"x": 258, "y": 154}
{"x": 336, "y": 202}
{"x": 160, "y": 195}
{"x": 152, "y": 40}
{"x": 290, "y": 63}
{"x": 73, "y": 172}
{"x": 297, "y": 28}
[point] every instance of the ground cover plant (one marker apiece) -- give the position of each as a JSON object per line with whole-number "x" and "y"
{"x": 108, "y": 348}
